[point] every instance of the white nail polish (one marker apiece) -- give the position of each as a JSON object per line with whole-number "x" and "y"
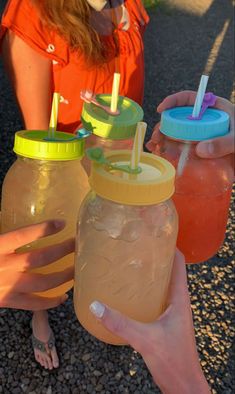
{"x": 97, "y": 309}
{"x": 210, "y": 148}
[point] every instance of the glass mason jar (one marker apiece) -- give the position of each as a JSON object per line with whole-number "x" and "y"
{"x": 127, "y": 232}
{"x": 47, "y": 181}
{"x": 110, "y": 132}
{"x": 203, "y": 186}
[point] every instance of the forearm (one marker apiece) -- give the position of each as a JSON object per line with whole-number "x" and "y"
{"x": 185, "y": 378}
{"x": 194, "y": 385}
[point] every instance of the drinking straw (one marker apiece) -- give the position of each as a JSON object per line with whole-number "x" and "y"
{"x": 183, "y": 158}
{"x": 138, "y": 144}
{"x": 196, "y": 111}
{"x": 200, "y": 95}
{"x": 54, "y": 115}
{"x": 115, "y": 92}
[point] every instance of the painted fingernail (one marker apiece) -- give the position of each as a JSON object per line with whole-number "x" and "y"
{"x": 148, "y": 144}
{"x": 97, "y": 309}
{"x": 206, "y": 148}
{"x": 210, "y": 148}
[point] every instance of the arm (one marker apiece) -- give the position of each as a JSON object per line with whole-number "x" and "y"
{"x": 31, "y": 76}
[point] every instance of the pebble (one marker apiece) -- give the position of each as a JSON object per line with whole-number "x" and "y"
{"x": 97, "y": 373}
{"x": 86, "y": 357}
{"x": 73, "y": 359}
{"x": 119, "y": 375}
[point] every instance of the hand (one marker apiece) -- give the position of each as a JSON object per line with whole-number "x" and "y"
{"x": 16, "y": 283}
{"x": 212, "y": 148}
{"x": 167, "y": 345}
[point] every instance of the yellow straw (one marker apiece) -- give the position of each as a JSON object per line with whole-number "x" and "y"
{"x": 54, "y": 114}
{"x": 138, "y": 145}
{"x": 115, "y": 92}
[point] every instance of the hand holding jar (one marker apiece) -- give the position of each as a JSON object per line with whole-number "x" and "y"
{"x": 201, "y": 152}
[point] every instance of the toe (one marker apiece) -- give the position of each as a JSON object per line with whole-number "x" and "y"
{"x": 54, "y": 357}
{"x": 38, "y": 358}
{"x": 42, "y": 362}
{"x": 49, "y": 361}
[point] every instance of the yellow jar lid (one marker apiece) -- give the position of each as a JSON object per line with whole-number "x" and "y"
{"x": 154, "y": 184}
{"x": 36, "y": 144}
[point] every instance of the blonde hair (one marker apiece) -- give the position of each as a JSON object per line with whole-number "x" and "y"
{"x": 71, "y": 18}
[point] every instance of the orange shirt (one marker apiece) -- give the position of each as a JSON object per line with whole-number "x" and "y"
{"x": 70, "y": 71}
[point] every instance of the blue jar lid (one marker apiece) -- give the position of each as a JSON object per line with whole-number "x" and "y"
{"x": 175, "y": 124}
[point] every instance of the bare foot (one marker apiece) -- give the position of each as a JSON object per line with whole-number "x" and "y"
{"x": 43, "y": 341}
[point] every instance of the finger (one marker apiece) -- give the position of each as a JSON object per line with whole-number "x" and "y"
{"x": 150, "y": 145}
{"x": 178, "y": 289}
{"x": 225, "y": 105}
{"x": 42, "y": 257}
{"x": 156, "y": 135}
{"x": 31, "y": 302}
{"x": 187, "y": 97}
{"x": 33, "y": 283}
{"x": 12, "y": 240}
{"x": 218, "y": 147}
{"x": 155, "y": 138}
{"x": 130, "y": 330}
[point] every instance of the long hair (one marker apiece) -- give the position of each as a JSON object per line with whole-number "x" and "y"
{"x": 71, "y": 19}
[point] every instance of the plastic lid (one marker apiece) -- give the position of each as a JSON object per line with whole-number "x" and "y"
{"x": 153, "y": 185}
{"x": 114, "y": 127}
{"x": 34, "y": 144}
{"x": 175, "y": 124}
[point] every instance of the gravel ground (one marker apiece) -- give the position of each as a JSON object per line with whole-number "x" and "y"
{"x": 181, "y": 37}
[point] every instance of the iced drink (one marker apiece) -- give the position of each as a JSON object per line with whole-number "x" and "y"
{"x": 126, "y": 239}
{"x": 45, "y": 182}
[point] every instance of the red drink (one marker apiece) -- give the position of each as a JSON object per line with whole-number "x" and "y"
{"x": 202, "y": 211}
{"x": 203, "y": 186}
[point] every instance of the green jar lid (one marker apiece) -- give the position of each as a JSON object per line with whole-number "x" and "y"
{"x": 36, "y": 144}
{"x": 114, "y": 127}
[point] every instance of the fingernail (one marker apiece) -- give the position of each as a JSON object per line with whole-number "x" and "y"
{"x": 59, "y": 223}
{"x": 210, "y": 149}
{"x": 148, "y": 144}
{"x": 97, "y": 309}
{"x": 206, "y": 148}
{"x": 64, "y": 298}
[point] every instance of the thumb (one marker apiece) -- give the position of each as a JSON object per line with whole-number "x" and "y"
{"x": 218, "y": 147}
{"x": 130, "y": 330}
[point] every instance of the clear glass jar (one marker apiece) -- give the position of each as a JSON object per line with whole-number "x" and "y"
{"x": 202, "y": 187}
{"x": 110, "y": 132}
{"x": 94, "y": 141}
{"x": 35, "y": 190}
{"x": 124, "y": 250}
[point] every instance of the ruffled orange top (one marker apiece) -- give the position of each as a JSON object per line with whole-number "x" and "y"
{"x": 70, "y": 71}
